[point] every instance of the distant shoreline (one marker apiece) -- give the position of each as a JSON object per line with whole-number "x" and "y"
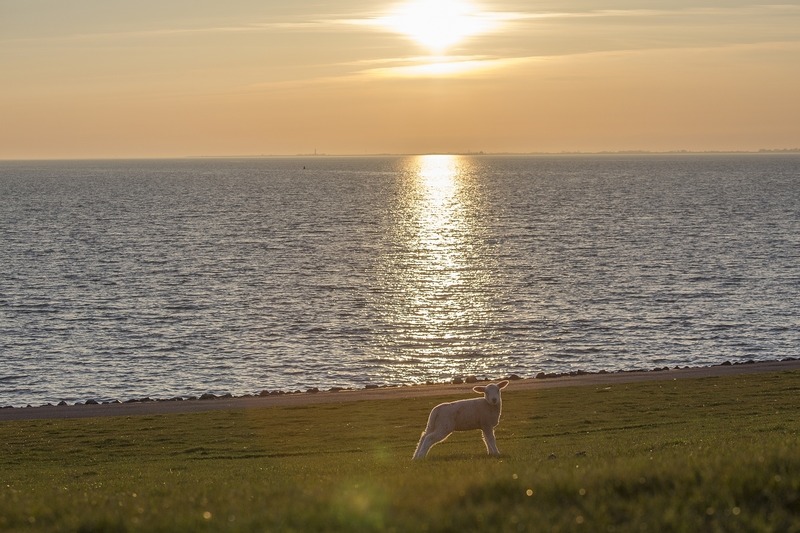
{"x": 479, "y": 153}
{"x": 776, "y": 151}
{"x": 574, "y": 379}
{"x": 567, "y": 153}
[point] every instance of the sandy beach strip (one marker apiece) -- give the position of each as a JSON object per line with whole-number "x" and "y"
{"x": 163, "y": 407}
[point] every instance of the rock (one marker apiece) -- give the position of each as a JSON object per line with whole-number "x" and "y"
{"x": 61, "y": 403}
{"x": 208, "y": 396}
{"x": 472, "y": 379}
{"x": 313, "y": 390}
{"x": 370, "y": 386}
{"x": 91, "y": 402}
{"x": 513, "y": 377}
{"x": 541, "y": 375}
{"x": 726, "y": 363}
{"x": 336, "y": 389}
{"x": 552, "y": 457}
{"x": 458, "y": 381}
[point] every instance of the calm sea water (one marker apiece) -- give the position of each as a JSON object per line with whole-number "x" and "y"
{"x": 126, "y": 279}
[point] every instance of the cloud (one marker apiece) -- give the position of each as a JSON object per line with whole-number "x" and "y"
{"x": 445, "y": 66}
{"x": 377, "y": 21}
{"x": 373, "y": 22}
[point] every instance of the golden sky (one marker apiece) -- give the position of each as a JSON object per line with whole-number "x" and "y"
{"x": 172, "y": 78}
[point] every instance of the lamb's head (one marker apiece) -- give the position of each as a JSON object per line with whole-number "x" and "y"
{"x": 491, "y": 392}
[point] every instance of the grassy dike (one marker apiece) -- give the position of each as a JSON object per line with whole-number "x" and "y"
{"x": 712, "y": 454}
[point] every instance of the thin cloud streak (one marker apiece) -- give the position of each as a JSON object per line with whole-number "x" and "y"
{"x": 446, "y": 67}
{"x": 477, "y": 66}
{"x": 314, "y": 25}
{"x": 375, "y": 22}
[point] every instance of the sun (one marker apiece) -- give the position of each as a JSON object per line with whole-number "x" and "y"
{"x": 438, "y": 24}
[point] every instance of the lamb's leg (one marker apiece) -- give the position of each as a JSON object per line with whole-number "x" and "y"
{"x": 488, "y": 438}
{"x": 428, "y": 439}
{"x": 421, "y": 450}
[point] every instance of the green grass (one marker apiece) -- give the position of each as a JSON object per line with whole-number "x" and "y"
{"x": 717, "y": 454}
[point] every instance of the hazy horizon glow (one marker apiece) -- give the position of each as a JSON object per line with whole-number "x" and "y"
{"x": 152, "y": 79}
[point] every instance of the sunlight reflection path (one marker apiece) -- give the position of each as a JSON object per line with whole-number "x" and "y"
{"x": 438, "y": 298}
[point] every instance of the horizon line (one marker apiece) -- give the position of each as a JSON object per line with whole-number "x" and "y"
{"x": 408, "y": 154}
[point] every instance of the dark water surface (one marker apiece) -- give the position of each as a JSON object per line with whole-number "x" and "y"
{"x": 125, "y": 279}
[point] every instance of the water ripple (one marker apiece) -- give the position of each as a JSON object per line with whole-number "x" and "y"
{"x": 174, "y": 278}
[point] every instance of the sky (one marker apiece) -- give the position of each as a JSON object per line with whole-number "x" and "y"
{"x": 176, "y": 78}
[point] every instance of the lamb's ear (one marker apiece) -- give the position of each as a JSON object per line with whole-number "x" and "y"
{"x": 480, "y": 389}
{"x": 502, "y": 385}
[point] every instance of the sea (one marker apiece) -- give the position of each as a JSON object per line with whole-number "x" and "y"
{"x": 174, "y": 278}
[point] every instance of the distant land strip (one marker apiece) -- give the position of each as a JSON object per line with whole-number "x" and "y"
{"x": 533, "y": 153}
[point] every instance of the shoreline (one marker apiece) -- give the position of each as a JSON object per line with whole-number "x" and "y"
{"x": 212, "y": 403}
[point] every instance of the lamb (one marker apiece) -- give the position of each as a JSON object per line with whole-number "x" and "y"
{"x": 476, "y": 413}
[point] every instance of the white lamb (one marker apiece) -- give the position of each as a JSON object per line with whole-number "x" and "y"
{"x": 476, "y": 413}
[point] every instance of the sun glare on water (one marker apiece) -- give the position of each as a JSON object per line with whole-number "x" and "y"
{"x": 436, "y": 292}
